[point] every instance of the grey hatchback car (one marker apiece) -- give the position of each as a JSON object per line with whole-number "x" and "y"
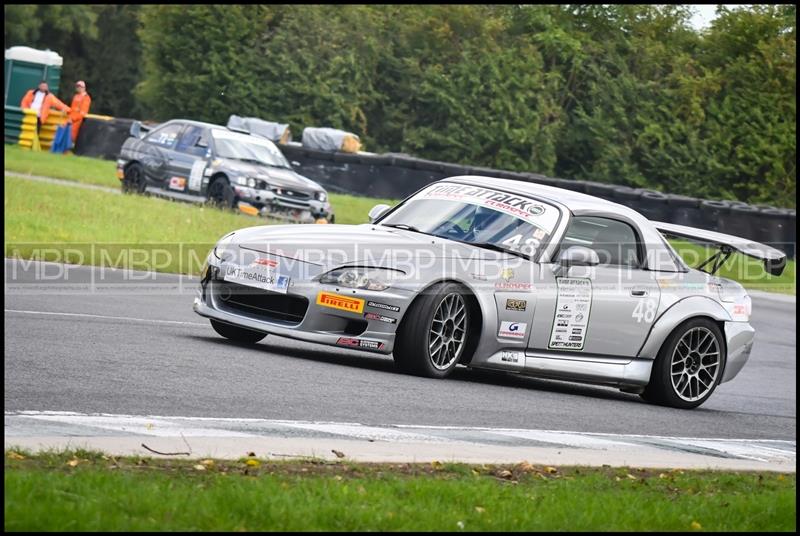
{"x": 200, "y": 162}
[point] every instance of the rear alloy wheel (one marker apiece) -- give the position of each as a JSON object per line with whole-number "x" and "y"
{"x": 221, "y": 194}
{"x": 434, "y": 333}
{"x": 235, "y": 333}
{"x": 133, "y": 181}
{"x": 689, "y": 366}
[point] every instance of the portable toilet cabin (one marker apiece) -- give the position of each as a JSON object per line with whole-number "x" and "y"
{"x": 25, "y": 67}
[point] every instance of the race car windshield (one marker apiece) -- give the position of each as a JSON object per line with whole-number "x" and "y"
{"x": 248, "y": 149}
{"x": 479, "y": 216}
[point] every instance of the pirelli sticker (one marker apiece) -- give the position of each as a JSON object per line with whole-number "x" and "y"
{"x": 572, "y": 313}
{"x": 343, "y": 303}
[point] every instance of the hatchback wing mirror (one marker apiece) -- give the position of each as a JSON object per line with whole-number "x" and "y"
{"x": 377, "y": 211}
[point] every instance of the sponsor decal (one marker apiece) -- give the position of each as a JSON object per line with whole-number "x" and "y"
{"x": 574, "y": 294}
{"x": 272, "y": 263}
{"x": 508, "y": 285}
{"x": 377, "y": 305}
{"x": 516, "y": 305}
{"x": 359, "y": 343}
{"x": 512, "y": 204}
{"x": 381, "y": 318}
{"x": 479, "y": 277}
{"x": 507, "y": 274}
{"x": 513, "y": 330}
{"x": 539, "y": 234}
{"x": 256, "y": 276}
{"x": 177, "y": 183}
{"x": 343, "y": 303}
{"x": 509, "y": 356}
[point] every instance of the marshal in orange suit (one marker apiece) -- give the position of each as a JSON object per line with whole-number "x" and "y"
{"x": 80, "y": 107}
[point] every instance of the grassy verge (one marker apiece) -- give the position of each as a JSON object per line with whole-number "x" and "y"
{"x": 348, "y": 208}
{"x": 93, "y": 217}
{"x": 88, "y": 491}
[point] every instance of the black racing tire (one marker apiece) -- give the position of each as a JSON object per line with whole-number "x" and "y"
{"x": 134, "y": 181}
{"x": 413, "y": 353}
{"x": 661, "y": 390}
{"x": 235, "y": 333}
{"x": 221, "y": 194}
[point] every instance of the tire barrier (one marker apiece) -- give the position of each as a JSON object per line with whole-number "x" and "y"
{"x": 396, "y": 176}
{"x": 102, "y": 137}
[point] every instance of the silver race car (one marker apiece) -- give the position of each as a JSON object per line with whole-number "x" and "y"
{"x": 497, "y": 274}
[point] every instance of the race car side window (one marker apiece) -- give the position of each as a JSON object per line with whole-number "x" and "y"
{"x": 615, "y": 242}
{"x": 165, "y": 136}
{"x": 194, "y": 141}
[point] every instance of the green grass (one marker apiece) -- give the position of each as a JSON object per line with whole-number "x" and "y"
{"x": 91, "y": 217}
{"x": 90, "y": 492}
{"x": 347, "y": 208}
{"x": 70, "y": 167}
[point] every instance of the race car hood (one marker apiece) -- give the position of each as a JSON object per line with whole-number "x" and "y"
{"x": 276, "y": 177}
{"x": 331, "y": 246}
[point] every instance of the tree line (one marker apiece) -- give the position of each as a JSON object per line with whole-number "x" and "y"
{"x": 622, "y": 94}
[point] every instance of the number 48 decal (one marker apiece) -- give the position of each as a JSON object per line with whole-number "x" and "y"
{"x": 645, "y": 311}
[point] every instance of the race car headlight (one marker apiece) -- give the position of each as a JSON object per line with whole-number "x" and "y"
{"x": 362, "y": 278}
{"x": 223, "y": 250}
{"x": 251, "y": 182}
{"x": 322, "y": 197}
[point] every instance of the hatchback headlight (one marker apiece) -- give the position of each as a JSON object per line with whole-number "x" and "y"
{"x": 322, "y": 197}
{"x": 362, "y": 278}
{"x": 251, "y": 182}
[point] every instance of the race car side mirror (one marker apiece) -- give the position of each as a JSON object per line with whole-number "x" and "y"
{"x": 377, "y": 211}
{"x": 578, "y": 256}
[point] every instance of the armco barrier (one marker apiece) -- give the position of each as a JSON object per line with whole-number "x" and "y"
{"x": 395, "y": 176}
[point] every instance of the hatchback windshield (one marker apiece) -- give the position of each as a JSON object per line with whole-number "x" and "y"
{"x": 480, "y": 216}
{"x": 248, "y": 148}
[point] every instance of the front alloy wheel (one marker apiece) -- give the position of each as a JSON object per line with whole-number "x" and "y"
{"x": 235, "y": 333}
{"x": 434, "y": 333}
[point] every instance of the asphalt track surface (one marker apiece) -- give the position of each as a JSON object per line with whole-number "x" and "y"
{"x": 95, "y": 342}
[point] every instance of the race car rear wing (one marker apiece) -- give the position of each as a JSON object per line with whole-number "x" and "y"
{"x": 774, "y": 260}
{"x": 139, "y": 129}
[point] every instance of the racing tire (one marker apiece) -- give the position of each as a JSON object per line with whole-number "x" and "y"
{"x": 235, "y": 333}
{"x": 689, "y": 366}
{"x": 133, "y": 181}
{"x": 434, "y": 334}
{"x": 221, "y": 194}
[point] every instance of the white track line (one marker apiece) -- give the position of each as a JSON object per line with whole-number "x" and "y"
{"x": 766, "y": 451}
{"x": 128, "y": 318}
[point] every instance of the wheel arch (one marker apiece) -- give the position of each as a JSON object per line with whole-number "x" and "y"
{"x": 681, "y": 311}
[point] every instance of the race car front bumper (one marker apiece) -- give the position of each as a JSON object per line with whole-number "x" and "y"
{"x": 270, "y": 203}
{"x": 739, "y": 343}
{"x": 308, "y": 311}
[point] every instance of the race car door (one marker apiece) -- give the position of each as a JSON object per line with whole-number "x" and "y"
{"x": 599, "y": 310}
{"x": 188, "y": 160}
